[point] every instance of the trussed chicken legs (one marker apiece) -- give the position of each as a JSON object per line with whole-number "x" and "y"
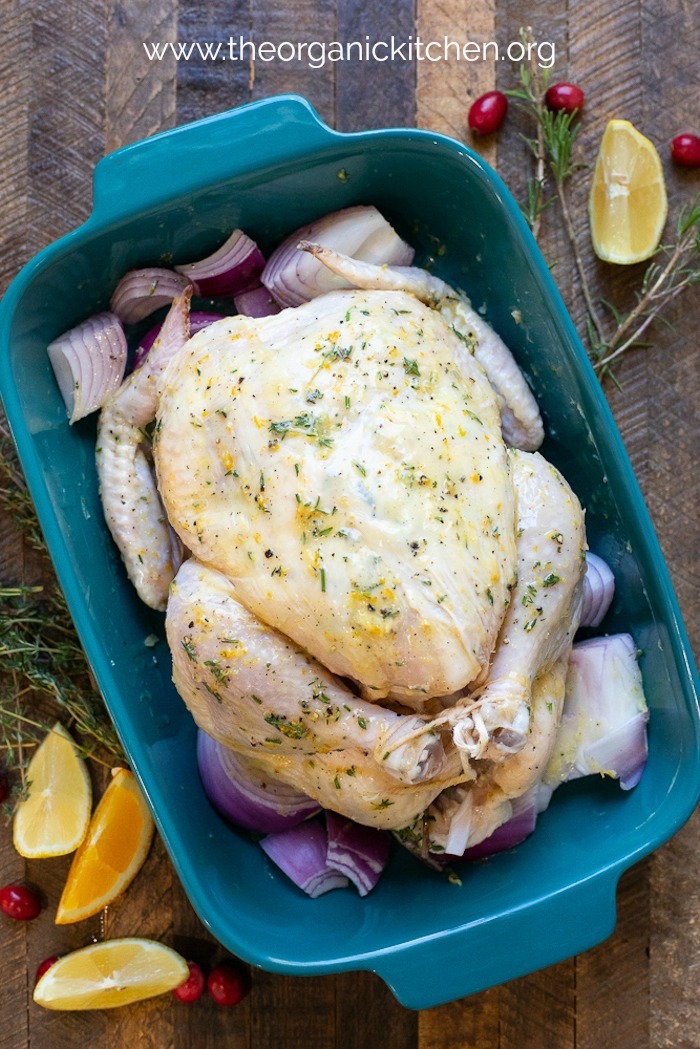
{"x": 256, "y": 692}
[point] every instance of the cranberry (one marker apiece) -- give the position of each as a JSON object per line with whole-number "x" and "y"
{"x": 44, "y": 967}
{"x": 228, "y": 984}
{"x": 19, "y": 902}
{"x": 4, "y": 786}
{"x": 488, "y": 112}
{"x": 566, "y": 97}
{"x": 191, "y": 989}
{"x": 685, "y": 150}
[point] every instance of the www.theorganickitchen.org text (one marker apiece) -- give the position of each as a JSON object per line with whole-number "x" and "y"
{"x": 317, "y": 53}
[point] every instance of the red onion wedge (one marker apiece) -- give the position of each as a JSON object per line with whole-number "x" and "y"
{"x": 256, "y": 302}
{"x": 511, "y": 833}
{"x": 294, "y": 276}
{"x": 88, "y": 362}
{"x": 244, "y": 793}
{"x": 141, "y": 292}
{"x": 198, "y": 319}
{"x": 235, "y": 267}
{"x": 603, "y": 727}
{"x": 360, "y": 853}
{"x": 301, "y": 853}
{"x": 598, "y": 591}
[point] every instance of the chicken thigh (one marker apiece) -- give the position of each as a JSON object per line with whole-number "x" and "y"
{"x": 255, "y": 691}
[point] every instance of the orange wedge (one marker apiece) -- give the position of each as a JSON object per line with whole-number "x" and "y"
{"x": 117, "y": 843}
{"x": 627, "y": 206}
{"x": 114, "y": 972}
{"x": 53, "y": 818}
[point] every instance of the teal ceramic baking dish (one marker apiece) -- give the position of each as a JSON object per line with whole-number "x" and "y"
{"x": 268, "y": 167}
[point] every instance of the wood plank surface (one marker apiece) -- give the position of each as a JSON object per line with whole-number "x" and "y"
{"x": 75, "y": 82}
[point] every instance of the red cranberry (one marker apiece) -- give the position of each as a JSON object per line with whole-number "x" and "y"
{"x": 564, "y": 97}
{"x": 19, "y": 902}
{"x": 4, "y": 786}
{"x": 685, "y": 150}
{"x": 44, "y": 967}
{"x": 488, "y": 112}
{"x": 228, "y": 984}
{"x": 192, "y": 988}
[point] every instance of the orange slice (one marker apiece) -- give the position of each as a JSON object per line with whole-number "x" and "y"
{"x": 117, "y": 843}
{"x": 53, "y": 818}
{"x": 627, "y": 205}
{"x": 114, "y": 972}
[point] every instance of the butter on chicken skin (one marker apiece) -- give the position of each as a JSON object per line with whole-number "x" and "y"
{"x": 342, "y": 465}
{"x": 363, "y": 547}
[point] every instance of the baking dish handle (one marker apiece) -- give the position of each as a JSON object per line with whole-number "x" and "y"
{"x": 434, "y": 971}
{"x": 173, "y": 164}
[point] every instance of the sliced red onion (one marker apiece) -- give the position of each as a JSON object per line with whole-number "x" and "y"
{"x": 603, "y": 726}
{"x": 235, "y": 267}
{"x": 624, "y": 750}
{"x": 294, "y": 276}
{"x": 256, "y": 302}
{"x": 141, "y": 292}
{"x": 88, "y": 362}
{"x": 198, "y": 319}
{"x": 360, "y": 853}
{"x": 598, "y": 591}
{"x": 301, "y": 853}
{"x": 511, "y": 833}
{"x": 245, "y": 793}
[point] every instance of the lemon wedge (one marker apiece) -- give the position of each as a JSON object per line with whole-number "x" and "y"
{"x": 53, "y": 818}
{"x": 627, "y": 205}
{"x": 114, "y": 972}
{"x": 113, "y": 852}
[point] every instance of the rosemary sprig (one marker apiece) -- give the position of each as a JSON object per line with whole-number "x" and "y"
{"x": 553, "y": 151}
{"x": 660, "y": 286}
{"x": 40, "y": 655}
{"x": 533, "y": 84}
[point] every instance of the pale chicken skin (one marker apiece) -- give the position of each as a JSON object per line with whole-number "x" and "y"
{"x": 362, "y": 543}
{"x": 342, "y": 464}
{"x": 255, "y": 691}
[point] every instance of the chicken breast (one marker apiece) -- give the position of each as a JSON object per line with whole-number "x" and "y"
{"x": 342, "y": 465}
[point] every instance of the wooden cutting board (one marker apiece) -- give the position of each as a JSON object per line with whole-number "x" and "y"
{"x": 75, "y": 82}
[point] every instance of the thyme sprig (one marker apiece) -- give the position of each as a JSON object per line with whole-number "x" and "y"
{"x": 661, "y": 284}
{"x": 553, "y": 150}
{"x": 42, "y": 666}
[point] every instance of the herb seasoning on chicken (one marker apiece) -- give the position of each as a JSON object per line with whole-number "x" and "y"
{"x": 384, "y": 578}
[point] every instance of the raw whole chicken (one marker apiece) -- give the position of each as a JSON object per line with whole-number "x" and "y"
{"x": 384, "y": 576}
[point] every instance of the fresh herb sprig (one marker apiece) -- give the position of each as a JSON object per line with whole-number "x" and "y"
{"x": 553, "y": 151}
{"x": 661, "y": 284}
{"x": 611, "y": 332}
{"x": 42, "y": 665}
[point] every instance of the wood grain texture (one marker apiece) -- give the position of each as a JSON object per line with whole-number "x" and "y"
{"x": 470, "y": 1023}
{"x": 612, "y": 982}
{"x": 445, "y": 90}
{"x": 366, "y": 1013}
{"x": 67, "y": 126}
{"x": 514, "y": 160}
{"x": 671, "y": 36}
{"x": 211, "y": 86}
{"x": 612, "y": 64}
{"x": 139, "y": 94}
{"x": 295, "y": 22}
{"x": 75, "y": 82}
{"x": 15, "y": 53}
{"x": 375, "y": 93}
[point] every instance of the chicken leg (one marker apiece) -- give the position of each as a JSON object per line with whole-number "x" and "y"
{"x": 543, "y": 614}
